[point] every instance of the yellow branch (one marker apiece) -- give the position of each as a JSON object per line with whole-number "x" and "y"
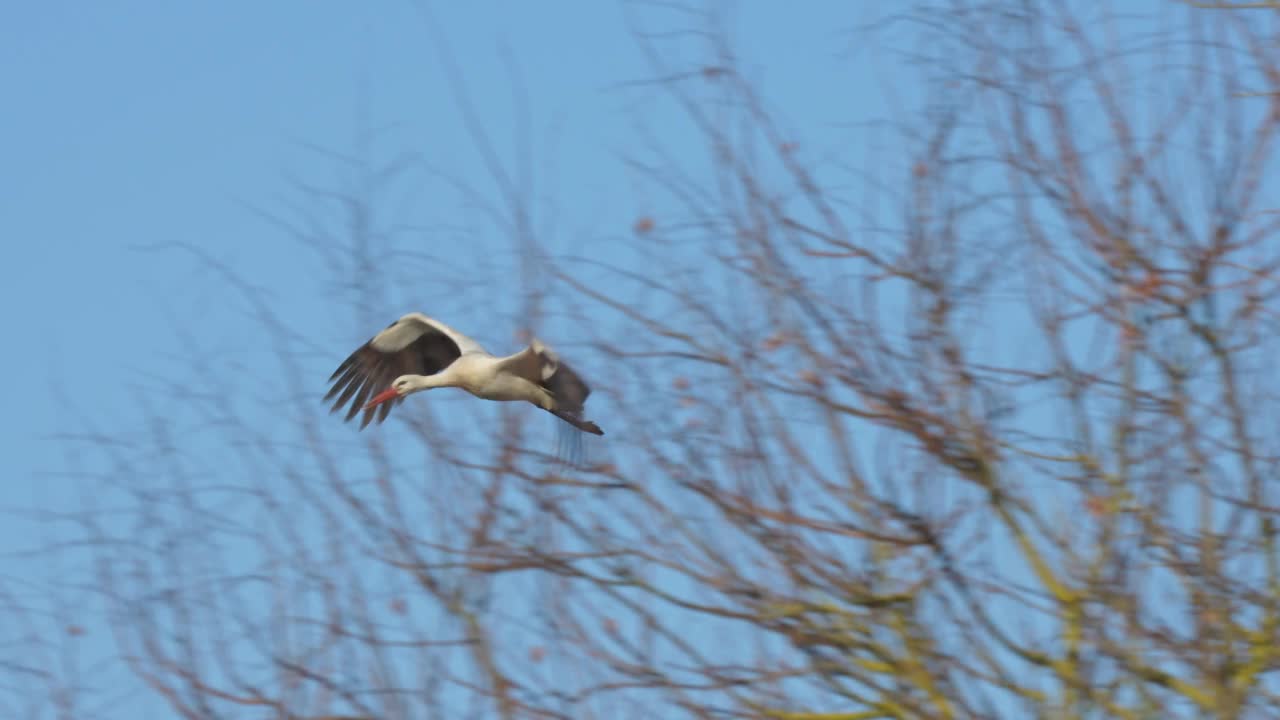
{"x": 916, "y": 667}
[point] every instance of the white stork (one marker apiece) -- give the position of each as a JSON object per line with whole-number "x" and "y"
{"x": 418, "y": 353}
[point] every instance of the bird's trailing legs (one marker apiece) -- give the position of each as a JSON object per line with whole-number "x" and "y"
{"x": 574, "y": 420}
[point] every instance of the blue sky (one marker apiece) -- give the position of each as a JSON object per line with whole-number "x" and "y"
{"x": 137, "y": 124}
{"x": 132, "y": 125}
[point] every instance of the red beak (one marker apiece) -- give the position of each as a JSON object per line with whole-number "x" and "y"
{"x": 385, "y": 395}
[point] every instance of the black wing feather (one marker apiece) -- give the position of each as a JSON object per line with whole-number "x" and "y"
{"x": 568, "y": 388}
{"x": 369, "y": 370}
{"x": 570, "y": 392}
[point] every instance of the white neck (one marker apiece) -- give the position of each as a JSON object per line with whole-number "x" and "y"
{"x": 418, "y": 383}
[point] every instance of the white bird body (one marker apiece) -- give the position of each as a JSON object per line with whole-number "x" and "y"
{"x": 482, "y": 376}
{"x": 417, "y": 353}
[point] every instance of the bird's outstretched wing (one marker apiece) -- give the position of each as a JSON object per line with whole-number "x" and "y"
{"x": 412, "y": 345}
{"x": 540, "y": 364}
{"x": 415, "y": 322}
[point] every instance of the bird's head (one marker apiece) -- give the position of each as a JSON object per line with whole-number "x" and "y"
{"x": 400, "y": 387}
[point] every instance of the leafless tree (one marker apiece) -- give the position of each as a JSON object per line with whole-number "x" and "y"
{"x": 981, "y": 428}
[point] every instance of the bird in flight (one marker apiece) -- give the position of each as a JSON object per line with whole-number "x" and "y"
{"x": 417, "y": 353}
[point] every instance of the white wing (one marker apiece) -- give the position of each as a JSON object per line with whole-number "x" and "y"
{"x": 412, "y": 326}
